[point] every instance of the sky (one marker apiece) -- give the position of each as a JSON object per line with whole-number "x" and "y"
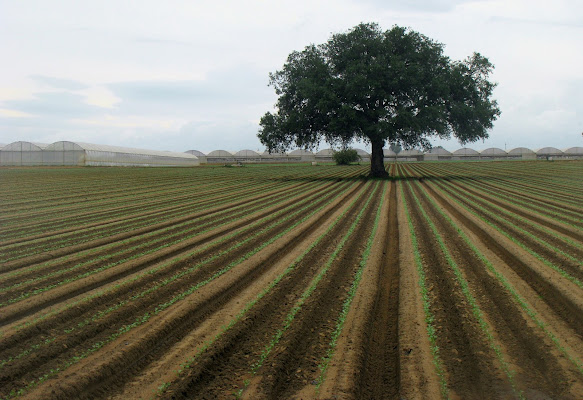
{"x": 193, "y": 75}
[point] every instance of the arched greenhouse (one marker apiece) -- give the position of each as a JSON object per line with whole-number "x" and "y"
{"x": 22, "y": 154}
{"x": 493, "y": 153}
{"x": 87, "y": 154}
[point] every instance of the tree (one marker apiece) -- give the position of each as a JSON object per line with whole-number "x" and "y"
{"x": 345, "y": 156}
{"x": 393, "y": 86}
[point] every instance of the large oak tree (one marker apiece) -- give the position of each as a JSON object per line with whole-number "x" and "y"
{"x": 393, "y": 86}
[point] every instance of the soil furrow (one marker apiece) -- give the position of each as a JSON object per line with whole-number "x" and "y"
{"x": 556, "y": 300}
{"x": 187, "y": 229}
{"x": 513, "y": 228}
{"x": 174, "y": 330}
{"x": 471, "y": 369}
{"x": 30, "y": 306}
{"x": 379, "y": 373}
{"x": 235, "y": 354}
{"x": 539, "y": 370}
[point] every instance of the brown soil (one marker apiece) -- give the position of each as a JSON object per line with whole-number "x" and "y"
{"x": 107, "y": 335}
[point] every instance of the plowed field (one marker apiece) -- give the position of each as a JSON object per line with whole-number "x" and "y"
{"x": 448, "y": 280}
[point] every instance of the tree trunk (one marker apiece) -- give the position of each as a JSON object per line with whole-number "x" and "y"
{"x": 377, "y": 165}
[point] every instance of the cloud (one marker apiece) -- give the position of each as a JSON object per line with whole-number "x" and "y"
{"x": 209, "y": 135}
{"x": 13, "y": 113}
{"x": 222, "y": 92}
{"x": 162, "y": 42}
{"x": 54, "y": 105}
{"x": 59, "y": 83}
{"x": 425, "y": 6}
{"x": 537, "y": 22}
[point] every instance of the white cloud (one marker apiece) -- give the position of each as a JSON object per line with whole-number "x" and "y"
{"x": 100, "y": 96}
{"x": 14, "y": 113}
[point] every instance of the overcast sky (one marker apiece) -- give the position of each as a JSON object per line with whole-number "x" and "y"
{"x": 193, "y": 75}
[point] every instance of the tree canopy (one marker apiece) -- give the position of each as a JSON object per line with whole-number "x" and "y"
{"x": 393, "y": 86}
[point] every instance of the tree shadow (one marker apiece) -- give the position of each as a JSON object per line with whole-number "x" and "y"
{"x": 368, "y": 177}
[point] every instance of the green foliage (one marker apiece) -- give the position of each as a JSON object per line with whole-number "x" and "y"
{"x": 345, "y": 156}
{"x": 392, "y": 86}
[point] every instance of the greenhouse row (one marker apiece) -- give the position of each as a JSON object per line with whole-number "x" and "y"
{"x": 436, "y": 154}
{"x": 85, "y": 154}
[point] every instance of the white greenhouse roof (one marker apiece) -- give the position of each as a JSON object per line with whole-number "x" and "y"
{"x": 66, "y": 145}
{"x": 325, "y": 152}
{"x": 492, "y": 151}
{"x": 361, "y": 152}
{"x": 411, "y": 152}
{"x": 439, "y": 151}
{"x": 389, "y": 153}
{"x": 219, "y": 153}
{"x": 520, "y": 150}
{"x": 301, "y": 152}
{"x": 273, "y": 154}
{"x": 25, "y": 146}
{"x": 246, "y": 153}
{"x": 548, "y": 150}
{"x": 574, "y": 151}
{"x": 196, "y": 153}
{"x": 466, "y": 151}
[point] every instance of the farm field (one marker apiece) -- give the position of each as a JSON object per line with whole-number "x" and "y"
{"x": 449, "y": 280}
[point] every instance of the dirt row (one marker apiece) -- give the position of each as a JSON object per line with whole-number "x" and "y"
{"x": 214, "y": 212}
{"x": 174, "y": 330}
{"x": 146, "y": 220}
{"x": 516, "y": 226}
{"x": 114, "y": 210}
{"x": 472, "y": 368}
{"x": 531, "y": 186}
{"x": 60, "y": 191}
{"x": 247, "y": 299}
{"x": 142, "y": 250}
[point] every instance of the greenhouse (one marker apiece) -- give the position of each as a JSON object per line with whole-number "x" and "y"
{"x": 199, "y": 154}
{"x": 247, "y": 156}
{"x": 274, "y": 157}
{"x": 493, "y": 153}
{"x": 22, "y": 154}
{"x": 196, "y": 153}
{"x": 364, "y": 156}
{"x": 220, "y": 156}
{"x": 410, "y": 155}
{"x": 522, "y": 153}
{"x": 325, "y": 155}
{"x": 465, "y": 153}
{"x": 302, "y": 155}
{"x": 389, "y": 155}
{"x": 573, "y": 153}
{"x": 87, "y": 154}
{"x": 548, "y": 153}
{"x": 436, "y": 154}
